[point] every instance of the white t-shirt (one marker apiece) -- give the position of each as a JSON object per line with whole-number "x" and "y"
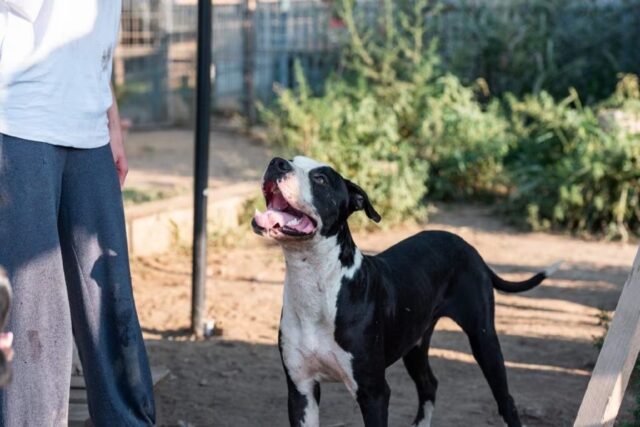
{"x": 55, "y": 69}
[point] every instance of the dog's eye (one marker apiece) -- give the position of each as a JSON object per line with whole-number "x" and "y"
{"x": 320, "y": 179}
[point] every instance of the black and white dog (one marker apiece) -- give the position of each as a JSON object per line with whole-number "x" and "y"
{"x": 347, "y": 316}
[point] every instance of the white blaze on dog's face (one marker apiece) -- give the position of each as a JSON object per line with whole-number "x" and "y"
{"x": 306, "y": 198}
{"x": 296, "y": 187}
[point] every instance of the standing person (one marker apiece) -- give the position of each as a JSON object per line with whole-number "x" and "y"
{"x": 62, "y": 232}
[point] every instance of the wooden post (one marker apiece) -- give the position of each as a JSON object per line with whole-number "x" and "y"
{"x": 617, "y": 358}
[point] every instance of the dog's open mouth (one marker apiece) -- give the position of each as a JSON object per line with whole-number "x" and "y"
{"x": 282, "y": 218}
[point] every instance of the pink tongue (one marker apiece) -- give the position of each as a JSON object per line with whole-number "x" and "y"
{"x": 304, "y": 225}
{"x": 272, "y": 218}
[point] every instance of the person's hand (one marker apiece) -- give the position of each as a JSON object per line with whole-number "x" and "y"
{"x": 119, "y": 156}
{"x": 6, "y": 345}
{"x": 117, "y": 142}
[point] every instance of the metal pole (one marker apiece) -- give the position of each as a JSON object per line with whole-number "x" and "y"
{"x": 201, "y": 176}
{"x": 248, "y": 65}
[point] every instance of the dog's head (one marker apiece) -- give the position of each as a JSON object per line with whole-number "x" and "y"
{"x": 307, "y": 199}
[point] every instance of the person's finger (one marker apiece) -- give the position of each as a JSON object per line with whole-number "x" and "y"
{"x": 6, "y": 339}
{"x": 123, "y": 175}
{"x": 123, "y": 170}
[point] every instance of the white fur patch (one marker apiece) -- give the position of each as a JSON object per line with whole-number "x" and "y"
{"x": 357, "y": 262}
{"x": 311, "y": 412}
{"x": 428, "y": 414}
{"x": 306, "y": 163}
{"x": 296, "y": 189}
{"x": 552, "y": 268}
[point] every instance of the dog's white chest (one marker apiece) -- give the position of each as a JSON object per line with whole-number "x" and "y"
{"x": 311, "y": 353}
{"x": 309, "y": 349}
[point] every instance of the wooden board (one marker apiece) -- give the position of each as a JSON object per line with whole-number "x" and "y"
{"x": 78, "y": 415}
{"x": 158, "y": 373}
{"x": 617, "y": 358}
{"x": 78, "y": 408}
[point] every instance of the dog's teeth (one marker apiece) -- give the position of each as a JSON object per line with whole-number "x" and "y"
{"x": 294, "y": 221}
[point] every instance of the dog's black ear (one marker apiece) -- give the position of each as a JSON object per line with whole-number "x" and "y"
{"x": 359, "y": 200}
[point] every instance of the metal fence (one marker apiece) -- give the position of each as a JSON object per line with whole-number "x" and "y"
{"x": 141, "y": 66}
{"x": 254, "y": 46}
{"x": 516, "y": 46}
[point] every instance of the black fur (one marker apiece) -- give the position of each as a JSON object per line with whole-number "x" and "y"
{"x": 390, "y": 307}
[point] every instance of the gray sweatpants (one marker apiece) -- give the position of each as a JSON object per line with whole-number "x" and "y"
{"x": 63, "y": 244}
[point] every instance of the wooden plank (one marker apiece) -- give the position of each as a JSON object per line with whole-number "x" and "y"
{"x": 77, "y": 395}
{"x": 158, "y": 373}
{"x": 78, "y": 415}
{"x": 77, "y": 381}
{"x": 610, "y": 376}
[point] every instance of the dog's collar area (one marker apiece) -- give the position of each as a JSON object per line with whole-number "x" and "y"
{"x": 281, "y": 218}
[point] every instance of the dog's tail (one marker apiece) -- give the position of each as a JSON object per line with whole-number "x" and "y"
{"x": 514, "y": 287}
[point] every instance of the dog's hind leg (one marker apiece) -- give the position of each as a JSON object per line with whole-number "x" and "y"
{"x": 487, "y": 352}
{"x": 417, "y": 363}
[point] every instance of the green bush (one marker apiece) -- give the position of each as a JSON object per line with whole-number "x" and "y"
{"x": 395, "y": 122}
{"x": 365, "y": 123}
{"x": 526, "y": 46}
{"x": 464, "y": 142}
{"x": 568, "y": 172}
{"x": 625, "y": 99}
{"x": 359, "y": 136}
{"x": 392, "y": 116}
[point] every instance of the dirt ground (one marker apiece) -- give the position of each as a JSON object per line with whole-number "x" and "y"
{"x": 162, "y": 160}
{"x": 237, "y": 380}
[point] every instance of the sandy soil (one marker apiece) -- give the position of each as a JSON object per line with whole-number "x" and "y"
{"x": 163, "y": 160}
{"x": 237, "y": 380}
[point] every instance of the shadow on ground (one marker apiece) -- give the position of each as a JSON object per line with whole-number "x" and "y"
{"x": 235, "y": 383}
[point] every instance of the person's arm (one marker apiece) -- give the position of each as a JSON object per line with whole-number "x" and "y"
{"x": 117, "y": 141}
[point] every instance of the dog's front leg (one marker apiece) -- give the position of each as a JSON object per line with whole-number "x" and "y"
{"x": 303, "y": 402}
{"x": 373, "y": 398}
